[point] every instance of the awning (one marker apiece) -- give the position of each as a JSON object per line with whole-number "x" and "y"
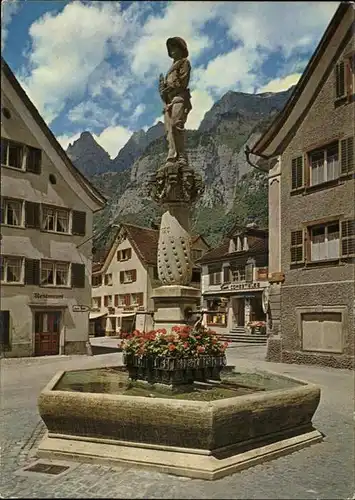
{"x": 96, "y": 314}
{"x": 122, "y": 315}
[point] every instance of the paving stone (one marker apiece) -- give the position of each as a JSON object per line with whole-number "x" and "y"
{"x": 323, "y": 471}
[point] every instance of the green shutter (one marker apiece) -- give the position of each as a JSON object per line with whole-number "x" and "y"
{"x": 78, "y": 275}
{"x": 34, "y": 160}
{"x": 297, "y": 172}
{"x": 347, "y": 155}
{"x": 4, "y": 329}
{"x": 32, "y": 215}
{"x": 32, "y": 272}
{"x": 78, "y": 223}
{"x": 340, "y": 80}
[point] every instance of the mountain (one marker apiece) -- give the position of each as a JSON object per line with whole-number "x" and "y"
{"x": 88, "y": 156}
{"x": 233, "y": 189}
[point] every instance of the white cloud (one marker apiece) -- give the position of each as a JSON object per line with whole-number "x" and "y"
{"x": 201, "y": 102}
{"x": 90, "y": 114}
{"x": 138, "y": 111}
{"x": 65, "y": 139}
{"x": 149, "y": 52}
{"x": 60, "y": 66}
{"x": 280, "y": 84}
{"x": 104, "y": 77}
{"x": 8, "y": 9}
{"x": 113, "y": 138}
{"x": 233, "y": 70}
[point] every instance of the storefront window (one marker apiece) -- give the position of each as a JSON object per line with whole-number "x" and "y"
{"x": 218, "y": 319}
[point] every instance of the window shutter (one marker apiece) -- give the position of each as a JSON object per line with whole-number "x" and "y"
{"x": 121, "y": 276}
{"x": 106, "y": 300}
{"x": 140, "y": 299}
{"x": 134, "y": 275}
{"x": 5, "y": 328}
{"x": 116, "y": 300}
{"x": 78, "y": 275}
{"x": 118, "y": 255}
{"x": 347, "y": 155}
{"x": 297, "y": 246}
{"x": 127, "y": 299}
{"x": 340, "y": 80}
{"x": 34, "y": 160}
{"x": 32, "y": 214}
{"x": 297, "y": 172}
{"x": 129, "y": 253}
{"x": 78, "y": 223}
{"x": 347, "y": 238}
{"x": 99, "y": 302}
{"x": 32, "y": 271}
{"x": 226, "y": 274}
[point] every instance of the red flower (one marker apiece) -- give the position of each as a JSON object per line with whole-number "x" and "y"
{"x": 200, "y": 348}
{"x": 186, "y": 345}
{"x": 172, "y": 347}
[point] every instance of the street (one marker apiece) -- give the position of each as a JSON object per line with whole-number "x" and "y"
{"x": 323, "y": 471}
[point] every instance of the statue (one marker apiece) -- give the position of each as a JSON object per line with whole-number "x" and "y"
{"x": 176, "y": 96}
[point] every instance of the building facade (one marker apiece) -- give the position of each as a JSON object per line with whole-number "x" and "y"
{"x": 46, "y": 227}
{"x": 122, "y": 284}
{"x": 234, "y": 276}
{"x": 311, "y": 207}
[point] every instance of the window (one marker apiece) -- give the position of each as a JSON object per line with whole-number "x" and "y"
{"x": 54, "y": 219}
{"x": 96, "y": 302}
{"x": 124, "y": 300}
{"x": 215, "y": 273}
{"x": 137, "y": 299}
{"x": 96, "y": 280}
{"x": 125, "y": 254}
{"x": 296, "y": 247}
{"x": 54, "y": 273}
{"x": 297, "y": 172}
{"x": 11, "y": 212}
{"x": 11, "y": 269}
{"x": 324, "y": 241}
{"x": 128, "y": 276}
{"x": 344, "y": 77}
{"x": 238, "y": 273}
{"x": 108, "y": 300}
{"x": 108, "y": 279}
{"x": 348, "y": 238}
{"x": 12, "y": 154}
{"x": 196, "y": 276}
{"x": 196, "y": 254}
{"x": 324, "y": 164}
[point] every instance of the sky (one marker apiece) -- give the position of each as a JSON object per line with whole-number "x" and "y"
{"x": 94, "y": 65}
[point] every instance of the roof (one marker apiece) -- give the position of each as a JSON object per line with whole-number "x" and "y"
{"x": 85, "y": 183}
{"x": 257, "y": 245}
{"x": 281, "y": 130}
{"x": 144, "y": 241}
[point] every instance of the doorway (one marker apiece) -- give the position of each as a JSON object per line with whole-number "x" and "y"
{"x": 238, "y": 311}
{"x": 47, "y": 332}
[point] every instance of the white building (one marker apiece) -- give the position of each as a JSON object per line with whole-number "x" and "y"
{"x": 46, "y": 215}
{"x": 234, "y": 275}
{"x": 122, "y": 284}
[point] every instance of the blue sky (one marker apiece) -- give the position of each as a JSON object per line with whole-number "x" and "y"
{"x": 94, "y": 66}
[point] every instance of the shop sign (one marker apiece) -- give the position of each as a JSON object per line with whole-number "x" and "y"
{"x": 240, "y": 286}
{"x": 80, "y": 308}
{"x": 45, "y": 296}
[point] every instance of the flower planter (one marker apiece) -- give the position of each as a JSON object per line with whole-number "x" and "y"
{"x": 174, "y": 371}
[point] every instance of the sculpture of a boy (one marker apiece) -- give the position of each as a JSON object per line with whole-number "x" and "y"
{"x": 175, "y": 94}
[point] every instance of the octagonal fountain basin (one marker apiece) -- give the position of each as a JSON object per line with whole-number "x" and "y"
{"x": 208, "y": 431}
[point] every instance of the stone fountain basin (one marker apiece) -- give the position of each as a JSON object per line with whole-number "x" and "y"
{"x": 201, "y": 439}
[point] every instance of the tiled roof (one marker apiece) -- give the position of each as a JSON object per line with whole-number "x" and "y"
{"x": 145, "y": 242}
{"x": 256, "y": 246}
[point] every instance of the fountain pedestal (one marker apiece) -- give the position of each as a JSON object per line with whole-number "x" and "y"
{"x": 175, "y": 187}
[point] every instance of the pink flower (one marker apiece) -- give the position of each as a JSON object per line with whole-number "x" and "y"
{"x": 200, "y": 348}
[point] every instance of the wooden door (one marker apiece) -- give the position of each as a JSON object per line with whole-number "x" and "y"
{"x": 47, "y": 332}
{"x": 241, "y": 312}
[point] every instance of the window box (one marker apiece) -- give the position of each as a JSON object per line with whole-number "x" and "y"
{"x": 12, "y": 270}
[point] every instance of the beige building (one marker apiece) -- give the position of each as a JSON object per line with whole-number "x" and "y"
{"x": 234, "y": 275}
{"x": 310, "y": 152}
{"x": 46, "y": 228}
{"x": 122, "y": 284}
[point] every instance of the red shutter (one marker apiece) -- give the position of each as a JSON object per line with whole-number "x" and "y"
{"x": 134, "y": 275}
{"x": 140, "y": 299}
{"x": 121, "y": 276}
{"x": 106, "y": 300}
{"x": 127, "y": 299}
{"x": 116, "y": 300}
{"x": 129, "y": 253}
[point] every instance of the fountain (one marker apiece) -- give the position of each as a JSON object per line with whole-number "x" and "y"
{"x": 175, "y": 406}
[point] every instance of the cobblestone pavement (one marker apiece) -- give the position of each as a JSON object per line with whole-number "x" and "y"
{"x": 323, "y": 471}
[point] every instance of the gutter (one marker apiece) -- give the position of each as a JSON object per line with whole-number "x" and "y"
{"x": 248, "y": 152}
